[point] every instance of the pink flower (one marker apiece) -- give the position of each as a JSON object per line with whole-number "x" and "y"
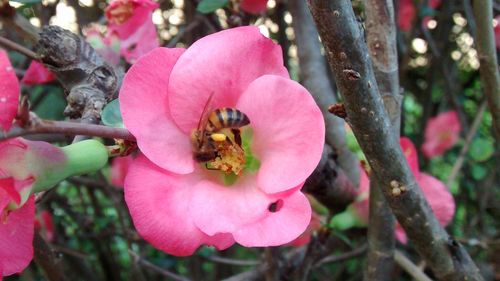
{"x": 305, "y": 237}
{"x": 407, "y": 13}
{"x": 176, "y": 203}
{"x": 37, "y": 74}
{"x": 254, "y": 6}
{"x": 108, "y": 47}
{"x": 9, "y": 92}
{"x": 16, "y": 236}
{"x": 132, "y": 21}
{"x": 497, "y": 32}
{"x": 119, "y": 169}
{"x": 45, "y": 225}
{"x": 20, "y": 167}
{"x": 441, "y": 133}
{"x": 436, "y": 193}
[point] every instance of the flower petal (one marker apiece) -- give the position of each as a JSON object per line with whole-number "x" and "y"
{"x": 9, "y": 92}
{"x": 223, "y": 63}
{"x": 439, "y": 198}
{"x": 158, "y": 202}
{"x": 143, "y": 104}
{"x": 288, "y": 131}
{"x": 126, "y": 16}
{"x": 141, "y": 42}
{"x": 254, "y": 6}
{"x": 441, "y": 133}
{"x": 16, "y": 239}
{"x": 253, "y": 217}
{"x": 410, "y": 154}
{"x": 37, "y": 74}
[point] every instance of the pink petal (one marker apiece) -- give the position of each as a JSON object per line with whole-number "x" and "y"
{"x": 139, "y": 43}
{"x": 16, "y": 239}
{"x": 143, "y": 104}
{"x": 254, "y": 6}
{"x": 119, "y": 169}
{"x": 7, "y": 185}
{"x": 9, "y": 92}
{"x": 222, "y": 64}
{"x": 245, "y": 211}
{"x": 288, "y": 131}
{"x": 497, "y": 32}
{"x": 158, "y": 202}
{"x": 37, "y": 74}
{"x": 410, "y": 153}
{"x": 305, "y": 237}
{"x": 406, "y": 14}
{"x": 439, "y": 198}
{"x": 127, "y": 16}
{"x": 441, "y": 133}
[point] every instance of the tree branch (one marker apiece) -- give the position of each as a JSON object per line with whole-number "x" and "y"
{"x": 68, "y": 128}
{"x": 18, "y": 48}
{"x": 410, "y": 267}
{"x": 348, "y": 57}
{"x": 381, "y": 41}
{"x": 488, "y": 68}
{"x": 314, "y": 76}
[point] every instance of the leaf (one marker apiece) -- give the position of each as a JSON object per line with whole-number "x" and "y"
{"x": 481, "y": 150}
{"x": 478, "y": 172}
{"x": 208, "y": 6}
{"x": 111, "y": 115}
{"x": 27, "y": 1}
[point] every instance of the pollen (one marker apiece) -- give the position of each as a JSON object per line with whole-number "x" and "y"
{"x": 231, "y": 158}
{"x": 218, "y": 137}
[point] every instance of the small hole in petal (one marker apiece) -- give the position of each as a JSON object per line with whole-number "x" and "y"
{"x": 275, "y": 206}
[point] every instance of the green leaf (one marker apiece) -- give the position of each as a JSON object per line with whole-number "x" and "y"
{"x": 208, "y": 6}
{"x": 481, "y": 150}
{"x": 111, "y": 115}
{"x": 478, "y": 172}
{"x": 27, "y": 1}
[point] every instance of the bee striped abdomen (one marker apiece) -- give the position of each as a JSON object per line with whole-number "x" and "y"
{"x": 226, "y": 117}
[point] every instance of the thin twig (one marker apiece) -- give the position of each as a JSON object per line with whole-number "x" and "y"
{"x": 468, "y": 140}
{"x": 410, "y": 268}
{"x": 68, "y": 128}
{"x": 487, "y": 53}
{"x": 235, "y": 262}
{"x": 155, "y": 268}
{"x": 342, "y": 257}
{"x": 18, "y": 48}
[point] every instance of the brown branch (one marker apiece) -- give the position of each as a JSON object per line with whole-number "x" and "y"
{"x": 231, "y": 261}
{"x": 381, "y": 41}
{"x": 344, "y": 256}
{"x": 348, "y": 57}
{"x": 18, "y": 48}
{"x": 410, "y": 268}
{"x": 46, "y": 258}
{"x": 488, "y": 68}
{"x": 90, "y": 82}
{"x": 465, "y": 148}
{"x": 156, "y": 269}
{"x": 314, "y": 76}
{"x": 329, "y": 184}
{"x": 68, "y": 128}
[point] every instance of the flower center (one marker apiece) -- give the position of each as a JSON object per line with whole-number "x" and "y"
{"x": 222, "y": 142}
{"x": 122, "y": 13}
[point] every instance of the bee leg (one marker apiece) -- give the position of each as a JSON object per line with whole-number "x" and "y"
{"x": 237, "y": 136}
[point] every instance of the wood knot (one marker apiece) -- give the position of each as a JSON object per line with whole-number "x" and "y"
{"x": 338, "y": 109}
{"x": 351, "y": 74}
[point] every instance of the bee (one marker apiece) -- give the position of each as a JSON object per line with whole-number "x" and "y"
{"x": 207, "y": 138}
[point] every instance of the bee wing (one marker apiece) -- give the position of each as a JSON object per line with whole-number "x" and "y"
{"x": 204, "y": 119}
